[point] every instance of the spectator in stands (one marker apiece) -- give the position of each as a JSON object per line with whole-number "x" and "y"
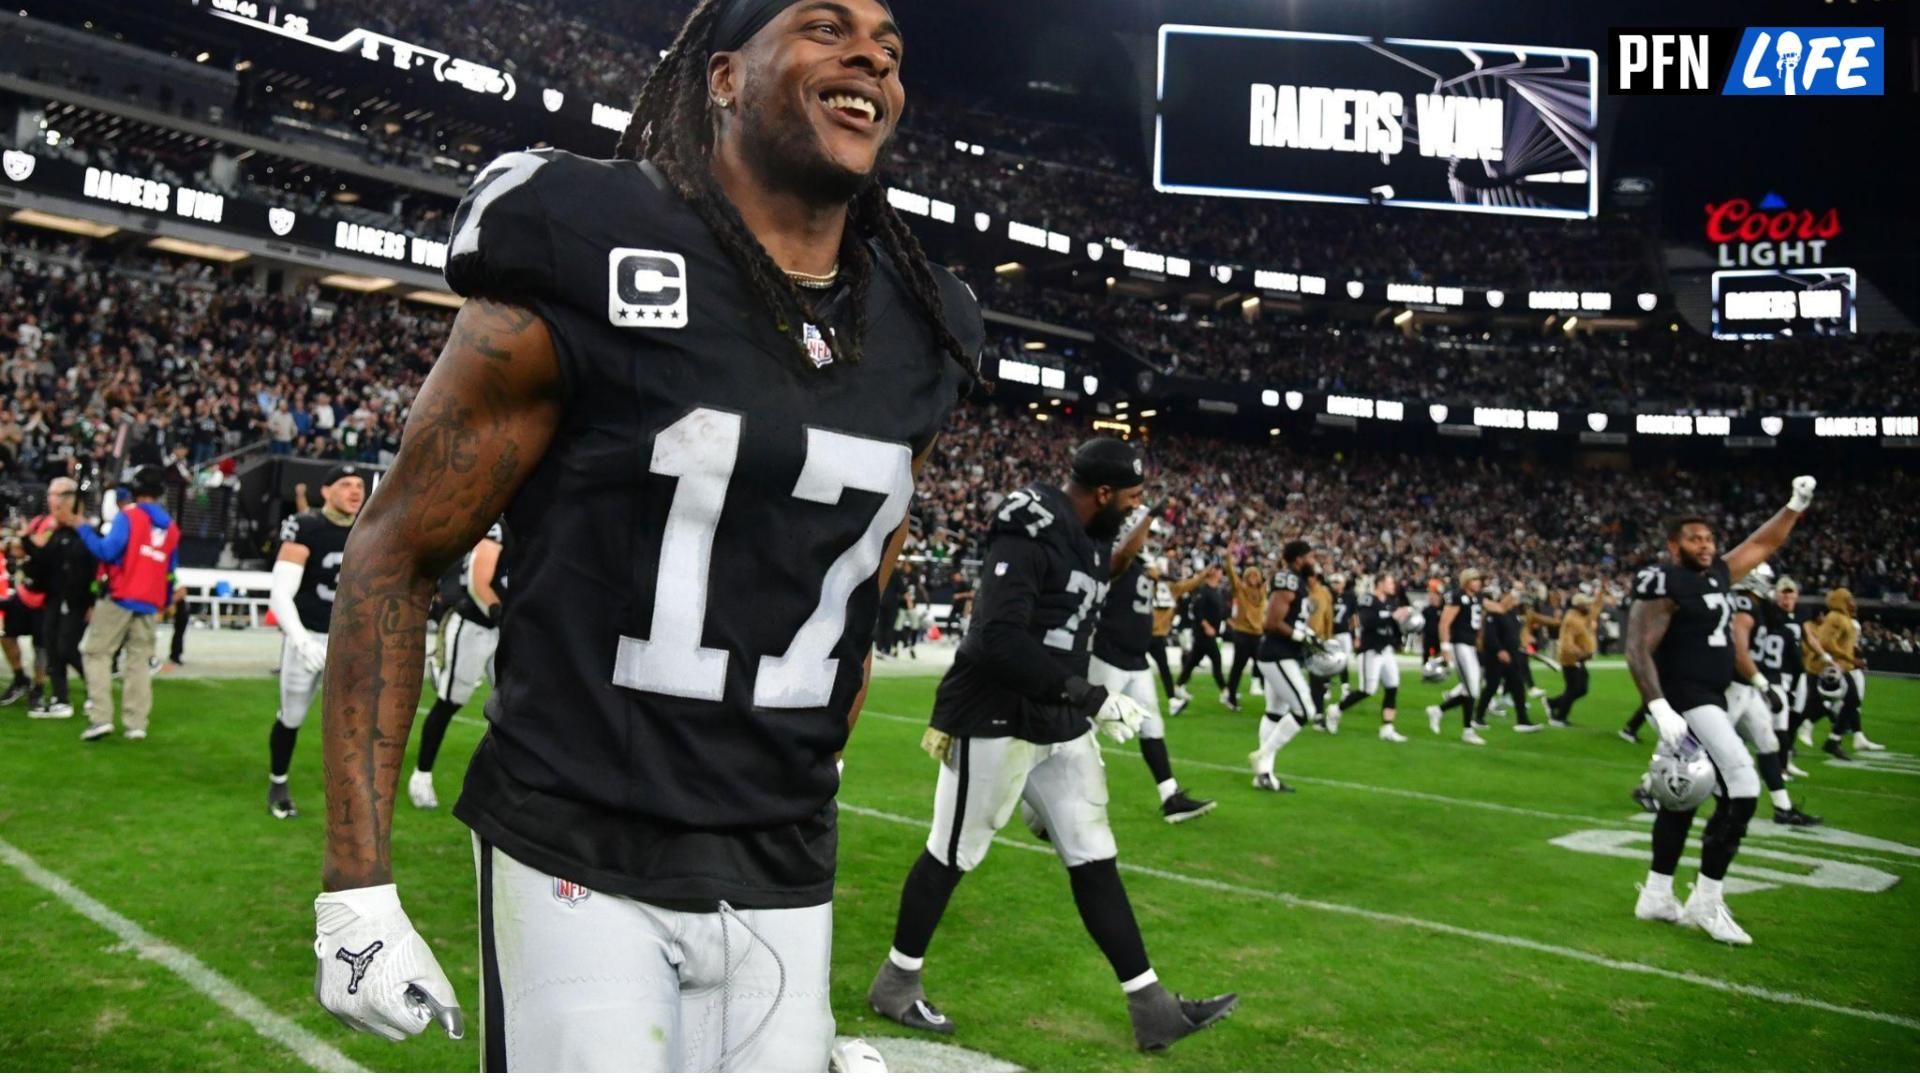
{"x": 281, "y": 428}
{"x": 140, "y": 551}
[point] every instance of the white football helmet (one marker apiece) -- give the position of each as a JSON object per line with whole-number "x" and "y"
{"x": 1434, "y": 670}
{"x": 1833, "y": 685}
{"x": 1415, "y": 623}
{"x": 1331, "y": 659}
{"x": 1681, "y": 777}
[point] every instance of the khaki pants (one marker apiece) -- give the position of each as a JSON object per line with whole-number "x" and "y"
{"x": 112, "y": 627}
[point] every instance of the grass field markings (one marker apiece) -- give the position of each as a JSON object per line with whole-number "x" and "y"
{"x": 1778, "y": 997}
{"x": 303, "y": 1044}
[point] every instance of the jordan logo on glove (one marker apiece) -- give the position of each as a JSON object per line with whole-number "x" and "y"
{"x": 359, "y": 962}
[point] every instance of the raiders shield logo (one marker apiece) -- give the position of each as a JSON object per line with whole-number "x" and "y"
{"x": 646, "y": 288}
{"x": 569, "y": 893}
{"x": 18, "y": 164}
{"x": 280, "y": 221}
{"x": 552, "y": 99}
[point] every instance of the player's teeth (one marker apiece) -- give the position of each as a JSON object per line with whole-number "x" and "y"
{"x": 847, "y": 101}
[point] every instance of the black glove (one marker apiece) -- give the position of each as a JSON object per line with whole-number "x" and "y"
{"x": 1085, "y": 697}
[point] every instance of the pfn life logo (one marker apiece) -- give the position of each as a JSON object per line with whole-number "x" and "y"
{"x": 1754, "y": 61}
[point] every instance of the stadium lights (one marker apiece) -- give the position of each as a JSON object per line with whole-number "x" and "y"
{"x": 203, "y": 57}
{"x": 1273, "y": 431}
{"x": 62, "y": 223}
{"x": 1659, "y": 424}
{"x": 358, "y": 282}
{"x": 210, "y": 252}
{"x": 1148, "y": 414}
{"x": 1866, "y": 426}
{"x": 1403, "y": 318}
{"x": 1035, "y": 346}
{"x": 1042, "y": 416}
{"x": 436, "y": 297}
{"x": 1007, "y": 268}
{"x": 1270, "y": 398}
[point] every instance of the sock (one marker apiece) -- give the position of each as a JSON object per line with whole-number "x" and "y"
{"x": 1454, "y": 702}
{"x": 1781, "y": 800}
{"x": 1670, "y": 828}
{"x": 1772, "y": 773}
{"x": 1108, "y": 917}
{"x": 276, "y": 779}
{"x": 1139, "y": 982}
{"x": 1282, "y": 733}
{"x": 1659, "y": 884}
{"x": 1154, "y": 752}
{"x": 903, "y": 961}
{"x": 1354, "y": 697}
{"x": 1167, "y": 788}
{"x": 434, "y": 732}
{"x": 280, "y": 743}
{"x": 1637, "y": 720}
{"x": 1720, "y": 840}
{"x": 923, "y": 899}
{"x": 1707, "y": 889}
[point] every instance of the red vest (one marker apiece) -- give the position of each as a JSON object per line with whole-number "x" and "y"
{"x": 141, "y": 573}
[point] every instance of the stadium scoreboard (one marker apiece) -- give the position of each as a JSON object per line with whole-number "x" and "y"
{"x": 1761, "y": 304}
{"x": 1334, "y": 118}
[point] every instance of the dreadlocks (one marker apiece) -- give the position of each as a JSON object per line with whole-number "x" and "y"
{"x": 672, "y": 128}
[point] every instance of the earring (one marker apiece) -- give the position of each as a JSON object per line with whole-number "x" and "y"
{"x": 725, "y": 103}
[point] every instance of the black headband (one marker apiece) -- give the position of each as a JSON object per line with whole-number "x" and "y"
{"x": 739, "y": 20}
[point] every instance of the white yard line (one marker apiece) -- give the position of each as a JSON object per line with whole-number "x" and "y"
{"x": 1634, "y": 967}
{"x": 303, "y": 1044}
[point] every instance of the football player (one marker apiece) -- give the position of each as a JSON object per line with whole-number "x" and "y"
{"x": 1320, "y": 621}
{"x": 474, "y": 598}
{"x": 13, "y": 626}
{"x": 1754, "y": 702}
{"x": 1576, "y": 647}
{"x": 1680, "y": 652}
{"x": 698, "y": 380}
{"x": 1459, "y": 645}
{"x": 1778, "y": 652}
{"x": 1378, "y": 620}
{"x": 1166, "y": 602}
{"x": 1014, "y": 722}
{"x": 1208, "y": 614}
{"x": 306, "y": 578}
{"x": 1285, "y": 647}
{"x": 1243, "y": 628}
{"x": 1346, "y": 595}
{"x": 1503, "y": 656}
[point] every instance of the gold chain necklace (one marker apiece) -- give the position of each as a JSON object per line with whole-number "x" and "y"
{"x": 814, "y": 281}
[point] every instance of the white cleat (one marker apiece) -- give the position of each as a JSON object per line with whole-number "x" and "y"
{"x": 1657, "y": 906}
{"x": 1714, "y": 918}
{"x": 1861, "y": 742}
{"x": 1333, "y": 719}
{"x": 1806, "y": 735}
{"x": 1182, "y": 693}
{"x": 420, "y": 790}
{"x": 1433, "y": 718}
{"x": 1388, "y": 734}
{"x": 1176, "y": 706}
{"x": 1472, "y": 738}
{"x": 1536, "y": 692}
{"x": 1796, "y": 772}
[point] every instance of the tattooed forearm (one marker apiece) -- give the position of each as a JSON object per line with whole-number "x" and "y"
{"x": 479, "y": 425}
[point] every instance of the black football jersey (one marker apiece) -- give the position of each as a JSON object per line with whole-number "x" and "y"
{"x": 325, "y": 543}
{"x": 1695, "y": 658}
{"x": 464, "y": 602}
{"x": 1275, "y": 646}
{"x": 1779, "y": 642}
{"x": 1126, "y": 619}
{"x": 1343, "y": 611}
{"x": 1378, "y": 630}
{"x": 1042, "y": 581}
{"x": 1465, "y": 629}
{"x": 698, "y": 549}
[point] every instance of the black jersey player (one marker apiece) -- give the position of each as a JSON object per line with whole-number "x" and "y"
{"x": 1013, "y": 724}
{"x": 473, "y": 596}
{"x": 1378, "y": 617}
{"x": 1680, "y": 650}
{"x": 306, "y": 575}
{"x": 1285, "y": 646}
{"x": 1460, "y": 623}
{"x": 706, "y": 463}
{"x": 1754, "y": 701}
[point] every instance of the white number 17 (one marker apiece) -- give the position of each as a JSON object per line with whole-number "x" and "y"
{"x": 701, "y": 449}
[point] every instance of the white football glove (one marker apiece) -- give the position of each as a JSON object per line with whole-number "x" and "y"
{"x": 1802, "y": 494}
{"x": 1120, "y": 718}
{"x": 1669, "y": 723}
{"x": 1769, "y": 693}
{"x": 1307, "y": 639}
{"x": 313, "y": 655}
{"x": 376, "y": 973}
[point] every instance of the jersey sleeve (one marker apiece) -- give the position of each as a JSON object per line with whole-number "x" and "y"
{"x": 502, "y": 245}
{"x": 1286, "y": 581}
{"x": 1015, "y": 571}
{"x": 290, "y": 529}
{"x": 1023, "y": 513}
{"x": 497, "y": 532}
{"x": 1651, "y": 583}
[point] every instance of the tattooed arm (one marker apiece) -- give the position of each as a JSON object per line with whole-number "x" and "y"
{"x": 478, "y": 427}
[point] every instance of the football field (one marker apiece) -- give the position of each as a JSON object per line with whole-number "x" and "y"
{"x": 1425, "y": 906}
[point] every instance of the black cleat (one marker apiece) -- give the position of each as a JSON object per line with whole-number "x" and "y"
{"x": 1266, "y": 781}
{"x": 897, "y": 995}
{"x": 1645, "y": 799}
{"x": 1794, "y": 816}
{"x": 1180, "y": 806}
{"x": 1160, "y": 1019}
{"x": 1838, "y": 751}
{"x": 1630, "y": 735}
{"x": 280, "y": 802}
{"x": 15, "y": 693}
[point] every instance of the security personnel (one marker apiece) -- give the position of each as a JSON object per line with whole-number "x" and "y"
{"x": 140, "y": 550}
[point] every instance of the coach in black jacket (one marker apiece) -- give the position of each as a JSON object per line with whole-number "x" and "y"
{"x": 1504, "y": 658}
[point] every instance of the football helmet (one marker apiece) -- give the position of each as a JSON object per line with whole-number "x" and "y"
{"x": 1833, "y": 685}
{"x": 1434, "y": 670}
{"x": 1332, "y": 657}
{"x": 1681, "y": 777}
{"x": 1415, "y": 623}
{"x": 1759, "y": 581}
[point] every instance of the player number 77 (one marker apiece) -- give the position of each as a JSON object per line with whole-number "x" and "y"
{"x": 700, "y": 449}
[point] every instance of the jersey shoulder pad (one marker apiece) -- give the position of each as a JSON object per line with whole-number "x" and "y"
{"x": 963, "y": 309}
{"x": 1024, "y": 512}
{"x": 1463, "y": 598}
{"x": 534, "y": 220}
{"x": 1743, "y": 602}
{"x": 302, "y": 528}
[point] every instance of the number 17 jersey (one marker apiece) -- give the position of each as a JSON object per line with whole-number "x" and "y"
{"x": 1695, "y": 658}
{"x": 696, "y": 554}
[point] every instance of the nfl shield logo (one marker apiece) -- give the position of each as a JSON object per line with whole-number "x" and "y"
{"x": 280, "y": 221}
{"x": 552, "y": 99}
{"x": 817, "y": 348}
{"x": 569, "y": 893}
{"x": 18, "y": 164}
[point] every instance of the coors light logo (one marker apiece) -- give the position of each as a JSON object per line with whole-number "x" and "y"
{"x": 1771, "y": 234}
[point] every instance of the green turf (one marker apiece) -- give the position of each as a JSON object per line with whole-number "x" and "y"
{"x": 173, "y": 834}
